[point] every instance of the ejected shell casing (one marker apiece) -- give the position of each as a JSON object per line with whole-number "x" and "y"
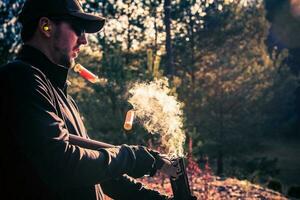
{"x": 129, "y": 120}
{"x": 85, "y": 73}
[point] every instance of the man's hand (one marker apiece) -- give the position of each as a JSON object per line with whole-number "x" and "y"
{"x": 164, "y": 164}
{"x": 144, "y": 162}
{"x": 168, "y": 167}
{"x": 137, "y": 161}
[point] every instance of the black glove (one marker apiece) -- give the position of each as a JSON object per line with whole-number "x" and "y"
{"x": 160, "y": 160}
{"x": 144, "y": 162}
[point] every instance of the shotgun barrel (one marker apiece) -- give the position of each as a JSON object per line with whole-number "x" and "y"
{"x": 180, "y": 185}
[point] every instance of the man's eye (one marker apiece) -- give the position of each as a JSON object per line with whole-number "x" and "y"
{"x": 78, "y": 31}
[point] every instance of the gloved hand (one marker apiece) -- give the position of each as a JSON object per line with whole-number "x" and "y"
{"x": 164, "y": 164}
{"x": 144, "y": 162}
{"x": 136, "y": 161}
{"x": 159, "y": 161}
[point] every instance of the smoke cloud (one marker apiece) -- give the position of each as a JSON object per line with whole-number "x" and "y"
{"x": 159, "y": 113}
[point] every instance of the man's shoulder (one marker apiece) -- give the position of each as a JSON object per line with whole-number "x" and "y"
{"x": 14, "y": 66}
{"x": 18, "y": 67}
{"x": 20, "y": 72}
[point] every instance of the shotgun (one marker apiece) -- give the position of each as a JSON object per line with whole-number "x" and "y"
{"x": 180, "y": 185}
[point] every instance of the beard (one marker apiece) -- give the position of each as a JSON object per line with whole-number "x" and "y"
{"x": 65, "y": 61}
{"x": 63, "y": 58}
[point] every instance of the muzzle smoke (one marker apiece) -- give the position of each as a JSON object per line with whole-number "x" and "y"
{"x": 159, "y": 113}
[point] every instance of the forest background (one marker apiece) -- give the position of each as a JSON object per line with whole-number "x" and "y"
{"x": 232, "y": 63}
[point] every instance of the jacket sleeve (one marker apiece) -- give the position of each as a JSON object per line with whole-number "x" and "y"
{"x": 43, "y": 138}
{"x": 126, "y": 188}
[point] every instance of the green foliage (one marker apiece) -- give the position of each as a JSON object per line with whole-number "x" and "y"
{"x": 9, "y": 29}
{"x": 275, "y": 185}
{"x": 230, "y": 87}
{"x": 257, "y": 170}
{"x": 294, "y": 191}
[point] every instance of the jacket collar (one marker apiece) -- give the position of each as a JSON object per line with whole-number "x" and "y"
{"x": 57, "y": 74}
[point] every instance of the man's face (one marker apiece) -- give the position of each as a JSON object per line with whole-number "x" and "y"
{"x": 66, "y": 43}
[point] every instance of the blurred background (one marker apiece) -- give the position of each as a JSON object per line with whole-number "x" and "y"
{"x": 233, "y": 63}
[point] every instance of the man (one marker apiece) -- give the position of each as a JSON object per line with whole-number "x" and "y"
{"x": 37, "y": 116}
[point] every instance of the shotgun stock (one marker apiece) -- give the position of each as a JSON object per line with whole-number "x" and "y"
{"x": 88, "y": 143}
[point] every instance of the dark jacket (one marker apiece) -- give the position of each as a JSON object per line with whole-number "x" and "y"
{"x": 37, "y": 160}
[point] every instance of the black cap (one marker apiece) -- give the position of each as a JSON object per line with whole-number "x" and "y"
{"x": 34, "y": 9}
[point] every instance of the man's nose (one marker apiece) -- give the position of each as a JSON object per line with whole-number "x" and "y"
{"x": 82, "y": 40}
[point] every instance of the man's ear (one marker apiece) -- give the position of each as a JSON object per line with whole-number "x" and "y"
{"x": 45, "y": 26}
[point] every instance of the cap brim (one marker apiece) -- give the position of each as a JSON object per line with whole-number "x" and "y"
{"x": 91, "y": 23}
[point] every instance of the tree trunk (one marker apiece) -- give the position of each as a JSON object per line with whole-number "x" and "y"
{"x": 192, "y": 46}
{"x": 129, "y": 41}
{"x": 220, "y": 166}
{"x": 221, "y": 139}
{"x": 167, "y": 11}
{"x": 155, "y": 39}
